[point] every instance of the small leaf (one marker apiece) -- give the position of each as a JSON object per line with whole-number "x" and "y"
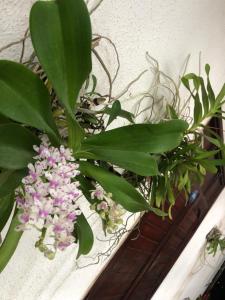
{"x": 122, "y": 114}
{"x": 16, "y": 146}
{"x": 10, "y": 243}
{"x": 24, "y": 98}
{"x": 221, "y": 95}
{"x": 62, "y": 42}
{"x": 122, "y": 192}
{"x": 114, "y": 112}
{"x": 211, "y": 94}
{"x": 94, "y": 79}
{"x": 171, "y": 112}
{"x": 205, "y": 100}
{"x": 197, "y": 110}
{"x": 209, "y": 166}
{"x": 85, "y": 235}
{"x": 158, "y": 212}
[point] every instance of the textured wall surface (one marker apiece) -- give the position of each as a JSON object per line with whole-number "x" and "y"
{"x": 169, "y": 30}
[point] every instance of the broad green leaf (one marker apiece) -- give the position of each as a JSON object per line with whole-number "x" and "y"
{"x": 6, "y": 206}
{"x": 10, "y": 243}
{"x": 24, "y": 98}
{"x": 148, "y": 138}
{"x": 16, "y": 146}
{"x": 122, "y": 192}
{"x": 138, "y": 162}
{"x": 85, "y": 235}
{"x": 9, "y": 180}
{"x": 61, "y": 36}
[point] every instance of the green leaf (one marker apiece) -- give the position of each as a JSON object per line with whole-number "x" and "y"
{"x": 138, "y": 162}
{"x": 158, "y": 212}
{"x": 24, "y": 98}
{"x": 217, "y": 142}
{"x": 139, "y": 141}
{"x": 9, "y": 180}
{"x": 148, "y": 138}
{"x": 4, "y": 120}
{"x": 209, "y": 166}
{"x": 171, "y": 112}
{"x": 10, "y": 243}
{"x": 86, "y": 186}
{"x": 221, "y": 95}
{"x": 6, "y": 206}
{"x": 211, "y": 94}
{"x": 205, "y": 154}
{"x": 85, "y": 235}
{"x": 122, "y": 192}
{"x": 76, "y": 133}
{"x": 61, "y": 36}
{"x": 94, "y": 79}
{"x": 205, "y": 100}
{"x": 122, "y": 114}
{"x": 114, "y": 112}
{"x": 16, "y": 146}
{"x": 197, "y": 110}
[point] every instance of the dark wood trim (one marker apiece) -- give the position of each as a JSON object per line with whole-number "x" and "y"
{"x": 141, "y": 264}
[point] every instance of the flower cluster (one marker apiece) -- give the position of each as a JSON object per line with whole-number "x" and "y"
{"x": 47, "y": 197}
{"x": 110, "y": 212}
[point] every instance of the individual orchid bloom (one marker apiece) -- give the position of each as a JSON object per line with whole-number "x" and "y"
{"x": 98, "y": 193}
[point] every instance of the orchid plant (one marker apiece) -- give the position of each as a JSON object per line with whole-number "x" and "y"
{"x": 45, "y": 170}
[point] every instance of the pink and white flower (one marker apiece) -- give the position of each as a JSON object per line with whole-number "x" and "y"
{"x": 48, "y": 196}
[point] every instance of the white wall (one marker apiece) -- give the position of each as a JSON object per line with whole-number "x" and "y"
{"x": 195, "y": 269}
{"x": 169, "y": 30}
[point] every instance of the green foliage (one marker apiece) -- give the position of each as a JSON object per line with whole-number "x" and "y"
{"x": 9, "y": 180}
{"x": 180, "y": 168}
{"x": 84, "y": 234}
{"x": 117, "y": 111}
{"x": 10, "y": 242}
{"x": 16, "y": 146}
{"x": 62, "y": 41}
{"x": 6, "y": 206}
{"x": 122, "y": 192}
{"x": 215, "y": 241}
{"x": 139, "y": 141}
{"x": 24, "y": 98}
{"x": 206, "y": 104}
